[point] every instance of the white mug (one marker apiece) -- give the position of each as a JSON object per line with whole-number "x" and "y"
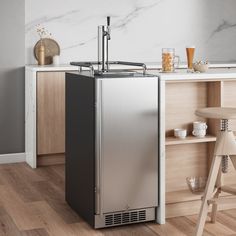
{"x": 199, "y": 125}
{"x": 56, "y": 60}
{"x": 180, "y": 133}
{"x": 199, "y": 133}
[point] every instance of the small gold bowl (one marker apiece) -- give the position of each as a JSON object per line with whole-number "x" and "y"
{"x": 196, "y": 184}
{"x": 200, "y": 67}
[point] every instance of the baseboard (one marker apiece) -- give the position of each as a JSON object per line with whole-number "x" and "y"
{"x": 12, "y": 158}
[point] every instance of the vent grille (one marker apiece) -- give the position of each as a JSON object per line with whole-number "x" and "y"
{"x": 117, "y": 219}
{"x": 109, "y": 220}
{"x": 125, "y": 218}
{"x": 142, "y": 215}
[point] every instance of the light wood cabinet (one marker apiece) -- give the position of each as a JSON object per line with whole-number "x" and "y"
{"x": 50, "y": 117}
{"x": 50, "y": 112}
{"x": 45, "y": 114}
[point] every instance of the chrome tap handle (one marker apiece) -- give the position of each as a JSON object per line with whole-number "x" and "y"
{"x": 108, "y": 28}
{"x": 108, "y": 20}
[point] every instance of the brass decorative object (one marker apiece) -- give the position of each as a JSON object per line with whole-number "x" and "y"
{"x": 41, "y": 54}
{"x": 51, "y": 48}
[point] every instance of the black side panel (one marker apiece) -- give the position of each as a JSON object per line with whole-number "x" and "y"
{"x": 80, "y": 145}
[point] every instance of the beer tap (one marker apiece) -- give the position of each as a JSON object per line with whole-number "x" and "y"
{"x": 104, "y": 35}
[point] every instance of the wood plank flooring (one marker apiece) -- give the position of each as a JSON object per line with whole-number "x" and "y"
{"x": 32, "y": 204}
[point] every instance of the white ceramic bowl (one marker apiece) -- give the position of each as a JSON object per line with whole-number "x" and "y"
{"x": 180, "y": 133}
{"x": 200, "y": 67}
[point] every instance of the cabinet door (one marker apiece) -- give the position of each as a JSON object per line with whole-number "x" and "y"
{"x": 129, "y": 141}
{"x": 50, "y": 112}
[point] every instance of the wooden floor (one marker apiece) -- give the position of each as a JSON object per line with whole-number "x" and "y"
{"x": 32, "y": 204}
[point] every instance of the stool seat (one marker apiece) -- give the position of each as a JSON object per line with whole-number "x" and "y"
{"x": 223, "y": 113}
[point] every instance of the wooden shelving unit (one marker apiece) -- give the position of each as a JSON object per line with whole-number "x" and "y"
{"x": 191, "y": 156}
{"x": 189, "y": 139}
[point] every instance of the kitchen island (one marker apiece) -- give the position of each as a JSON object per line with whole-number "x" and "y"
{"x": 181, "y": 94}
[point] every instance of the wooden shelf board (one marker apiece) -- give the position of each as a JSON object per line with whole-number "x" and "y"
{"x": 189, "y": 139}
{"x": 181, "y": 196}
{"x": 186, "y": 195}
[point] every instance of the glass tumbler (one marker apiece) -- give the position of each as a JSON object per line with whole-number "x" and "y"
{"x": 169, "y": 62}
{"x": 190, "y": 55}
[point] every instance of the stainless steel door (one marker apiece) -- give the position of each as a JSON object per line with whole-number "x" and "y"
{"x": 127, "y": 143}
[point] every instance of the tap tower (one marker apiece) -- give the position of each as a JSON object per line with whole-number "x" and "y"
{"x": 104, "y": 35}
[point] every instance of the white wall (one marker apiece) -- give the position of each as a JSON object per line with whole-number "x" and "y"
{"x": 140, "y": 28}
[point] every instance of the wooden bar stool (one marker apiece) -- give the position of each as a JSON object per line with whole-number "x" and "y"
{"x": 225, "y": 148}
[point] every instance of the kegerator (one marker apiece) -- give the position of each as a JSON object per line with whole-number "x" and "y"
{"x": 112, "y": 147}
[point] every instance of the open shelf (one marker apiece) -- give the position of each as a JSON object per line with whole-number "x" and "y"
{"x": 192, "y": 156}
{"x": 189, "y": 139}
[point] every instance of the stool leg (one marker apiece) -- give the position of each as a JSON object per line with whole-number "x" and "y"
{"x": 215, "y": 165}
{"x": 214, "y": 209}
{"x": 233, "y": 159}
{"x": 218, "y": 186}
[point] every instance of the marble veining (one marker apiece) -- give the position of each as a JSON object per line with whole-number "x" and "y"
{"x": 134, "y": 13}
{"x": 223, "y": 26}
{"x": 120, "y": 23}
{"x": 80, "y": 43}
{"x": 140, "y": 28}
{"x": 47, "y": 19}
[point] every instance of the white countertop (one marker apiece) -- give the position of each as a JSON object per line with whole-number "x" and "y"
{"x": 68, "y": 67}
{"x": 37, "y": 68}
{"x": 154, "y": 67}
{"x": 212, "y": 73}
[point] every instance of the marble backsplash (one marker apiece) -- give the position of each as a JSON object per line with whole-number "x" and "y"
{"x": 140, "y": 28}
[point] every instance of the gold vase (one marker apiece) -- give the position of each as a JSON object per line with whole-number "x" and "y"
{"x": 41, "y": 54}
